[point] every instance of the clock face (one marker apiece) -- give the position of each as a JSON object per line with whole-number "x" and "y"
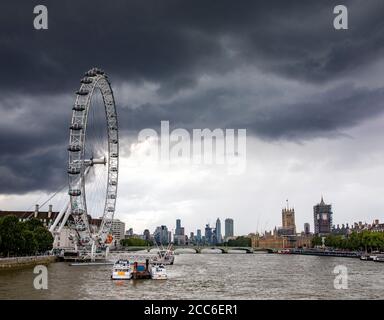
{"x": 324, "y": 216}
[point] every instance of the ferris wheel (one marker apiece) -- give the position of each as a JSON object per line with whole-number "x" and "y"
{"x": 93, "y": 163}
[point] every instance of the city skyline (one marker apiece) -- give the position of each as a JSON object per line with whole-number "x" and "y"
{"x": 312, "y": 108}
{"x": 259, "y": 228}
{"x": 287, "y": 222}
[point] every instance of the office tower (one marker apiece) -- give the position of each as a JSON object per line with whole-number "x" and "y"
{"x": 161, "y": 235}
{"x": 228, "y": 228}
{"x": 218, "y": 231}
{"x": 208, "y": 234}
{"x": 179, "y": 236}
{"x": 198, "y": 236}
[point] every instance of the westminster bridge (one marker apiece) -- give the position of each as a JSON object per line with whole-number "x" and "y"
{"x": 197, "y": 249}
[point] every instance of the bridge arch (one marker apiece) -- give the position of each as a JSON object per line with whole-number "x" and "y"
{"x": 223, "y": 250}
{"x": 178, "y": 249}
{"x": 247, "y": 250}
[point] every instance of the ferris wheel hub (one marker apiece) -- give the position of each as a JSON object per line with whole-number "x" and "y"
{"x": 92, "y": 162}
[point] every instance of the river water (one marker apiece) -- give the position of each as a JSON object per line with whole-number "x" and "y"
{"x": 208, "y": 276}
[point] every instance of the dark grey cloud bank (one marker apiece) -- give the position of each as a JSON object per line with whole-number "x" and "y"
{"x": 173, "y": 44}
{"x": 303, "y": 120}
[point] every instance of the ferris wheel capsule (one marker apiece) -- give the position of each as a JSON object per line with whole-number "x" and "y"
{"x": 78, "y": 107}
{"x": 74, "y": 192}
{"x": 74, "y": 170}
{"x": 86, "y": 80}
{"x": 90, "y": 73}
{"x": 77, "y": 212}
{"x": 74, "y": 147}
{"x": 82, "y": 92}
{"x": 76, "y": 126}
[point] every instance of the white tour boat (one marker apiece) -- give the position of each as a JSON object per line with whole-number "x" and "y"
{"x": 121, "y": 270}
{"x": 158, "y": 272}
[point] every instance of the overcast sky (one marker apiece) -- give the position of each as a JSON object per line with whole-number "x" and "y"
{"x": 311, "y": 98}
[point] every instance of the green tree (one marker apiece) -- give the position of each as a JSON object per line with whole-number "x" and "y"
{"x": 240, "y": 242}
{"x": 43, "y": 238}
{"x": 316, "y": 241}
{"x": 11, "y": 233}
{"x": 365, "y": 240}
{"x": 33, "y": 224}
{"x": 135, "y": 242}
{"x": 20, "y": 238}
{"x": 354, "y": 241}
{"x": 30, "y": 243}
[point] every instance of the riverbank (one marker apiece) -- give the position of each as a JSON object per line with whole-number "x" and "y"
{"x": 22, "y": 262}
{"x": 328, "y": 253}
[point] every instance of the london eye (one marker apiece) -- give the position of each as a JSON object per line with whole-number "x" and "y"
{"x": 93, "y": 164}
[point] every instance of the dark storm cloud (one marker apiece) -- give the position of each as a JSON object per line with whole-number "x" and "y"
{"x": 173, "y": 44}
{"x": 33, "y": 139}
{"x": 325, "y": 114}
{"x": 44, "y": 170}
{"x": 323, "y": 117}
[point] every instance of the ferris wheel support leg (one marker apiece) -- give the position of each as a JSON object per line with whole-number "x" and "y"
{"x": 93, "y": 251}
{"x": 67, "y": 213}
{"x": 58, "y": 218}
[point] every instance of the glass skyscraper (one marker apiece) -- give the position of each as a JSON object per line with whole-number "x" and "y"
{"x": 218, "y": 231}
{"x": 228, "y": 228}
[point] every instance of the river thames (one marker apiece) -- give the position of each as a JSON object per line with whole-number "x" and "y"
{"x": 208, "y": 276}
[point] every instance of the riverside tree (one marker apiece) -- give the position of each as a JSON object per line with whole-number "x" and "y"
{"x": 239, "y": 242}
{"x": 12, "y": 240}
{"x": 23, "y": 238}
{"x": 135, "y": 242}
{"x": 364, "y": 241}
